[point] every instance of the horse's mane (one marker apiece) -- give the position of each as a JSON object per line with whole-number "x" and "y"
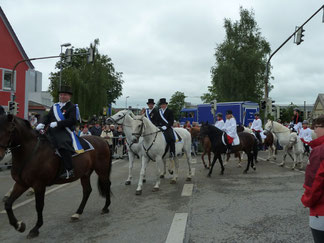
{"x": 281, "y": 127}
{"x": 213, "y": 129}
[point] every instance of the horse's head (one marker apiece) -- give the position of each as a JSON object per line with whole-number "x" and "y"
{"x": 204, "y": 130}
{"x": 138, "y": 127}
{"x": 11, "y": 128}
{"x": 269, "y": 126}
{"x": 118, "y": 118}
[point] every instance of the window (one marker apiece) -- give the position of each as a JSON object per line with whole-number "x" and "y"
{"x": 6, "y": 80}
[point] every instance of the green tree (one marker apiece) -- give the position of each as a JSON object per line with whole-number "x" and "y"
{"x": 176, "y": 103}
{"x": 239, "y": 71}
{"x": 288, "y": 113}
{"x": 94, "y": 85}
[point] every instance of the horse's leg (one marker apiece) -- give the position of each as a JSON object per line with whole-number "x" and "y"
{"x": 159, "y": 164}
{"x": 7, "y": 195}
{"x": 212, "y": 166}
{"x": 104, "y": 185}
{"x": 142, "y": 173}
{"x": 86, "y": 186}
{"x": 188, "y": 155}
{"x": 248, "y": 163}
{"x": 221, "y": 164}
{"x": 294, "y": 159}
{"x": 202, "y": 158}
{"x": 284, "y": 156}
{"x": 209, "y": 163}
{"x": 176, "y": 170}
{"x": 15, "y": 193}
{"x": 130, "y": 167}
{"x": 39, "y": 198}
{"x": 238, "y": 154}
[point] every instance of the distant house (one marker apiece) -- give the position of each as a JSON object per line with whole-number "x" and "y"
{"x": 318, "y": 108}
{"x": 11, "y": 52}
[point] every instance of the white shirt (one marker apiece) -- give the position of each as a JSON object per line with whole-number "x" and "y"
{"x": 306, "y": 134}
{"x": 85, "y": 134}
{"x": 298, "y": 127}
{"x": 220, "y": 124}
{"x": 257, "y": 125}
{"x": 230, "y": 129}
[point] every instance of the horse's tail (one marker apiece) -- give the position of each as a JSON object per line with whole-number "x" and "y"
{"x": 255, "y": 149}
{"x": 104, "y": 183}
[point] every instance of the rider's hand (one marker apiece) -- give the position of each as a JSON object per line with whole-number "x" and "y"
{"x": 40, "y": 126}
{"x": 53, "y": 124}
{"x": 164, "y": 128}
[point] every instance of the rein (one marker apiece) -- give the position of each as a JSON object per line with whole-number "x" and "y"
{"x": 115, "y": 121}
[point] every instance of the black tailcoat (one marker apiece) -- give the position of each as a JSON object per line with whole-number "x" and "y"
{"x": 153, "y": 116}
{"x": 59, "y": 136}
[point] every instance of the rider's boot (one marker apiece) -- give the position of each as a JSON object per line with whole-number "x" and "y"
{"x": 67, "y": 160}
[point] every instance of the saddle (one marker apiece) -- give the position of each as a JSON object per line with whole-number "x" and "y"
{"x": 86, "y": 145}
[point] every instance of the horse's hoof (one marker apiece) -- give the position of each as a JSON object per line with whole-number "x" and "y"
{"x": 171, "y": 172}
{"x": 239, "y": 165}
{"x": 144, "y": 180}
{"x": 162, "y": 176}
{"x": 155, "y": 189}
{"x": 205, "y": 166}
{"x": 268, "y": 159}
{"x": 173, "y": 181}
{"x": 188, "y": 179}
{"x": 32, "y": 234}
{"x": 21, "y": 226}
{"x": 138, "y": 192}
{"x": 221, "y": 173}
{"x": 245, "y": 172}
{"x": 30, "y": 193}
{"x": 208, "y": 175}
{"x": 127, "y": 183}
{"x": 75, "y": 217}
{"x": 254, "y": 168}
{"x": 5, "y": 198}
{"x": 281, "y": 165}
{"x": 274, "y": 158}
{"x": 104, "y": 211}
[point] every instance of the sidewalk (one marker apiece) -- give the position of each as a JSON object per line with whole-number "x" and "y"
{"x": 5, "y": 162}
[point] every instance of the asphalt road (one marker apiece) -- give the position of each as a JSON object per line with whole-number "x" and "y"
{"x": 261, "y": 206}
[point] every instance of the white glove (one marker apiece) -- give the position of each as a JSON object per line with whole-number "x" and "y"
{"x": 53, "y": 124}
{"x": 40, "y": 126}
{"x": 164, "y": 128}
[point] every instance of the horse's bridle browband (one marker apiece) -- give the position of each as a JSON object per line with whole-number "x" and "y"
{"x": 115, "y": 121}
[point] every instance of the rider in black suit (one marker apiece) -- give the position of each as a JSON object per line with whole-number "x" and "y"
{"x": 59, "y": 136}
{"x": 150, "y": 112}
{"x": 165, "y": 121}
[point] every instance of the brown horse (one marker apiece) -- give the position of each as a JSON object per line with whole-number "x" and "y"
{"x": 271, "y": 141}
{"x": 205, "y": 142}
{"x": 35, "y": 165}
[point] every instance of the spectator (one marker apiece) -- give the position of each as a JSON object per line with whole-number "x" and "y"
{"x": 96, "y": 130}
{"x": 108, "y": 135}
{"x": 85, "y": 131}
{"x": 313, "y": 196}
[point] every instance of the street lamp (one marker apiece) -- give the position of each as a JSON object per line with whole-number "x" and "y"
{"x": 126, "y": 101}
{"x": 63, "y": 45}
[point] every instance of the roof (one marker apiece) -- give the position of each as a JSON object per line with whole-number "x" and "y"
{"x": 15, "y": 38}
{"x": 320, "y": 98}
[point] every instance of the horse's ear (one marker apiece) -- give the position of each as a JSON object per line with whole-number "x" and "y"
{"x": 10, "y": 118}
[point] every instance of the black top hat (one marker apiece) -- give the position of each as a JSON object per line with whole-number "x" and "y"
{"x": 150, "y": 101}
{"x": 229, "y": 112}
{"x": 65, "y": 89}
{"x": 296, "y": 109}
{"x": 163, "y": 101}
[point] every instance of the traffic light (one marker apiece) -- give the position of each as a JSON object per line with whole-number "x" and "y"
{"x": 263, "y": 104}
{"x": 68, "y": 54}
{"x": 91, "y": 55}
{"x": 11, "y": 105}
{"x": 299, "y": 36}
{"x": 16, "y": 110}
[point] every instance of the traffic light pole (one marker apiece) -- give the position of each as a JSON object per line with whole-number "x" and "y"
{"x": 266, "y": 85}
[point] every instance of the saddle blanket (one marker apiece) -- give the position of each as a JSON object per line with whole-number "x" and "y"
{"x": 86, "y": 145}
{"x": 225, "y": 141}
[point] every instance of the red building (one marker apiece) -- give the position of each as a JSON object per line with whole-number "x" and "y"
{"x": 11, "y": 51}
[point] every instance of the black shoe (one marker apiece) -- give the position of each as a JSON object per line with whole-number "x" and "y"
{"x": 67, "y": 174}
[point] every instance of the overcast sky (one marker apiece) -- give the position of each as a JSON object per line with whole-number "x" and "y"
{"x": 168, "y": 46}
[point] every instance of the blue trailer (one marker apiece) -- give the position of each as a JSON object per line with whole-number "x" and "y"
{"x": 243, "y": 112}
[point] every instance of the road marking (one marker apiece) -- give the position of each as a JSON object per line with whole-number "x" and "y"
{"x": 275, "y": 163}
{"x": 178, "y": 227}
{"x": 193, "y": 171}
{"x": 32, "y": 199}
{"x": 193, "y": 161}
{"x": 47, "y": 192}
{"x": 187, "y": 190}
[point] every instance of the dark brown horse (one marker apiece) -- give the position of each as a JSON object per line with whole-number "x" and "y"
{"x": 205, "y": 142}
{"x": 248, "y": 144}
{"x": 35, "y": 165}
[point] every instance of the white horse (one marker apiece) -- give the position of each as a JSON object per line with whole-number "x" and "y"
{"x": 154, "y": 145}
{"x": 289, "y": 141}
{"x": 125, "y": 118}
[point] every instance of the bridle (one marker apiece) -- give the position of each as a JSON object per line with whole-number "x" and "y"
{"x": 115, "y": 121}
{"x": 9, "y": 144}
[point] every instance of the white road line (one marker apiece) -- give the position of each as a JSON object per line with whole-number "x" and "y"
{"x": 193, "y": 161}
{"x": 178, "y": 228}
{"x": 193, "y": 171}
{"x": 47, "y": 192}
{"x": 187, "y": 190}
{"x": 32, "y": 199}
